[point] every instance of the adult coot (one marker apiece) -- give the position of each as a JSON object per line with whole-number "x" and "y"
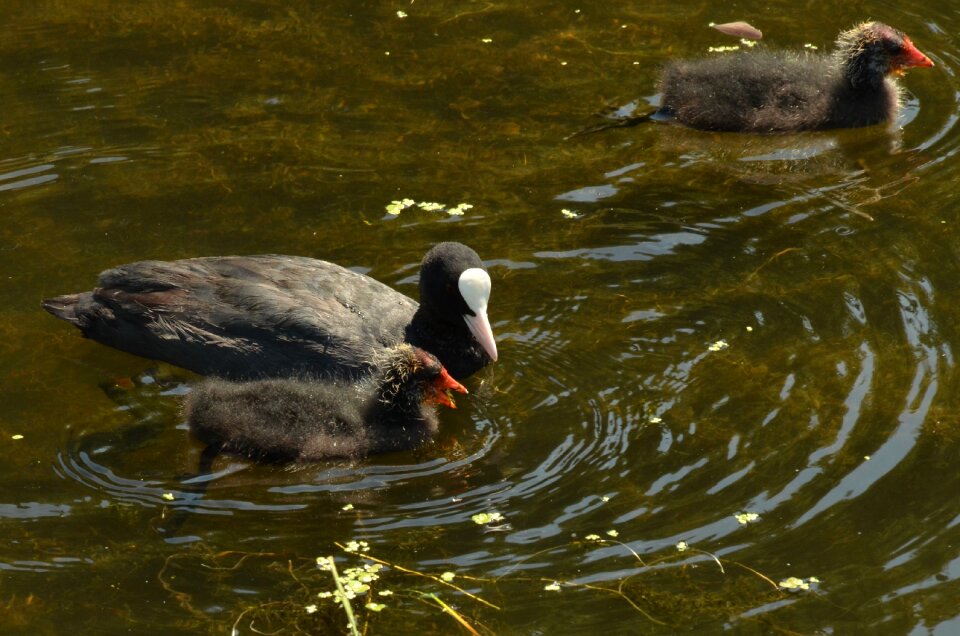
{"x": 250, "y": 317}
{"x": 298, "y": 420}
{"x": 757, "y": 91}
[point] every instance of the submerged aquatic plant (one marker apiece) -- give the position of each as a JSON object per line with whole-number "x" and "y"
{"x": 354, "y": 586}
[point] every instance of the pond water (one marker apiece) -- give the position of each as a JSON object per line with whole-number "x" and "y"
{"x": 691, "y": 325}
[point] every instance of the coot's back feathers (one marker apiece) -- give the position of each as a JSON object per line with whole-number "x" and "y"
{"x": 758, "y": 91}
{"x": 746, "y": 92}
{"x": 274, "y": 316}
{"x": 307, "y": 420}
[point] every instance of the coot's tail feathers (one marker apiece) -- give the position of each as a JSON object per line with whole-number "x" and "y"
{"x": 65, "y": 307}
{"x": 614, "y": 122}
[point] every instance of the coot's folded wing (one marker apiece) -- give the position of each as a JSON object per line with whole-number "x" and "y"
{"x": 245, "y": 316}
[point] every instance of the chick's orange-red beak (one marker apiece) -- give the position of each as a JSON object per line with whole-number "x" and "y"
{"x": 912, "y": 56}
{"x": 438, "y": 391}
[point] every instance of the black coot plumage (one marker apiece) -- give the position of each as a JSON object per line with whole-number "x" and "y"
{"x": 299, "y": 420}
{"x": 250, "y": 317}
{"x": 758, "y": 91}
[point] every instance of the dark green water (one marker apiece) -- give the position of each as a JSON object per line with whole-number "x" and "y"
{"x": 827, "y": 263}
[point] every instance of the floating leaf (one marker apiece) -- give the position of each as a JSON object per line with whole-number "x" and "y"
{"x": 375, "y": 607}
{"x": 723, "y": 49}
{"x": 483, "y": 518}
{"x": 459, "y": 209}
{"x": 682, "y": 546}
{"x": 553, "y": 587}
{"x": 310, "y": 609}
{"x": 744, "y": 518}
{"x": 592, "y": 537}
{"x": 793, "y": 583}
{"x": 347, "y": 507}
{"x": 396, "y": 206}
{"x": 719, "y": 345}
{"x": 447, "y": 576}
{"x": 168, "y": 496}
{"x": 613, "y": 533}
{"x": 356, "y": 546}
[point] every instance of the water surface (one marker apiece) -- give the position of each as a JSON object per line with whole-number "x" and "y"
{"x": 691, "y": 325}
